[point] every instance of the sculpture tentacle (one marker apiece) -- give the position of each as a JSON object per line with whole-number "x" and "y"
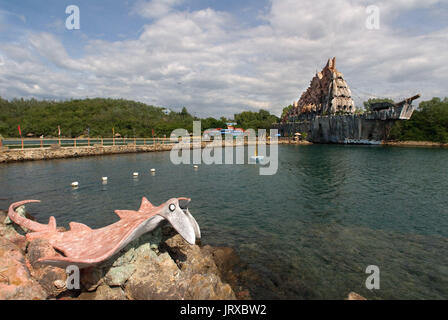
{"x": 27, "y": 223}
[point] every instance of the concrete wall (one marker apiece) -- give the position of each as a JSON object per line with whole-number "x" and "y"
{"x": 367, "y": 128}
{"x": 340, "y": 129}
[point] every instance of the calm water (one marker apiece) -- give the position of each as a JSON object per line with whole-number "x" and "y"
{"x": 309, "y": 231}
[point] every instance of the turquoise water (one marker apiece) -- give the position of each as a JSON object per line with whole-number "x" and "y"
{"x": 309, "y": 231}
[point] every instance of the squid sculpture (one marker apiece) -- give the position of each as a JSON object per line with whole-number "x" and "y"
{"x": 85, "y": 247}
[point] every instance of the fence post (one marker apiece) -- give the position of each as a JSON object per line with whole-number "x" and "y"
{"x": 74, "y": 142}
{"x": 22, "y": 143}
{"x": 88, "y": 141}
{"x": 41, "y": 142}
{"x": 102, "y": 142}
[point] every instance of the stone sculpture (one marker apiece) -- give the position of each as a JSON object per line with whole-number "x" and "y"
{"x": 85, "y": 247}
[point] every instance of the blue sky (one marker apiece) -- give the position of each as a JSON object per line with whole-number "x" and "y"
{"x": 220, "y": 57}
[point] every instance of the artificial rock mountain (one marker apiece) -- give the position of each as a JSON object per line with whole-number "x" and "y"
{"x": 328, "y": 93}
{"x": 325, "y": 113}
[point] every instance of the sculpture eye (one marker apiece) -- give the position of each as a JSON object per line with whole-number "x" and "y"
{"x": 172, "y": 207}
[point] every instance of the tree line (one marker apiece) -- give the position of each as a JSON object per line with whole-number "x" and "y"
{"x": 100, "y": 117}
{"x": 96, "y": 118}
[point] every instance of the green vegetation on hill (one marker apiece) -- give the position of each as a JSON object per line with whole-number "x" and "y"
{"x": 97, "y": 117}
{"x": 74, "y": 117}
{"x": 428, "y": 123}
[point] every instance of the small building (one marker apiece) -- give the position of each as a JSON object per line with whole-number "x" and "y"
{"x": 238, "y": 132}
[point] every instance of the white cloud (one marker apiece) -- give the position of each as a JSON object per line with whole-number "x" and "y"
{"x": 215, "y": 65}
{"x": 155, "y": 8}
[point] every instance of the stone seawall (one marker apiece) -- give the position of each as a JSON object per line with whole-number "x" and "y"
{"x": 350, "y": 129}
{"x": 14, "y": 155}
{"x": 70, "y": 152}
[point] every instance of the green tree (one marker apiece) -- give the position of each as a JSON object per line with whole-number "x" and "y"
{"x": 368, "y": 103}
{"x": 286, "y": 110}
{"x": 128, "y": 118}
{"x": 255, "y": 120}
{"x": 428, "y": 123}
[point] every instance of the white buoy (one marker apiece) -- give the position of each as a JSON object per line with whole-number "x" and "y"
{"x": 135, "y": 174}
{"x": 153, "y": 170}
{"x": 195, "y": 167}
{"x": 75, "y": 184}
{"x": 104, "y": 178}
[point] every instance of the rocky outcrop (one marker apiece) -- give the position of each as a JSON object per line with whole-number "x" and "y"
{"x": 16, "y": 281}
{"x": 51, "y": 279}
{"x": 161, "y": 265}
{"x": 354, "y": 296}
{"x": 158, "y": 265}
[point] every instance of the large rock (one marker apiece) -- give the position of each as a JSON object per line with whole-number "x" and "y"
{"x": 9, "y": 231}
{"x": 105, "y": 292}
{"x": 49, "y": 277}
{"x": 156, "y": 278}
{"x": 91, "y": 278}
{"x": 117, "y": 276}
{"x": 355, "y": 296}
{"x": 16, "y": 282}
{"x": 208, "y": 287}
{"x": 190, "y": 258}
{"x": 182, "y": 271}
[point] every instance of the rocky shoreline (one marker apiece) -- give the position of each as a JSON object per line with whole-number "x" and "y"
{"x": 56, "y": 152}
{"x": 427, "y": 144}
{"x": 159, "y": 265}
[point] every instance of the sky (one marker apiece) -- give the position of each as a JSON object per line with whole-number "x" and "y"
{"x": 218, "y": 58}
